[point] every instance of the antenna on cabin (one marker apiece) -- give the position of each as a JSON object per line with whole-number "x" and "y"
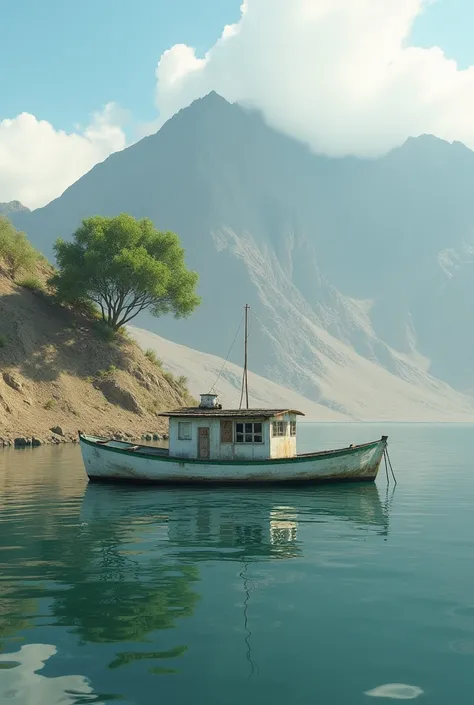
{"x": 245, "y": 381}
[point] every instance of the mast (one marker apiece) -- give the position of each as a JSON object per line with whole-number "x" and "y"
{"x": 245, "y": 382}
{"x": 247, "y": 307}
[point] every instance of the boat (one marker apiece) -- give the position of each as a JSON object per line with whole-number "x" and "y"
{"x": 212, "y": 445}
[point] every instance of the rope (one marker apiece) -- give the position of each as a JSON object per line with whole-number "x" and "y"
{"x": 262, "y": 325}
{"x": 228, "y": 355}
{"x": 388, "y": 464}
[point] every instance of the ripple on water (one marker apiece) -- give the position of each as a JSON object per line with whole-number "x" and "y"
{"x": 463, "y": 646}
{"x": 373, "y": 572}
{"x": 463, "y": 611}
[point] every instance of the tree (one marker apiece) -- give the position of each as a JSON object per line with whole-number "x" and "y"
{"x": 125, "y": 266}
{"x": 15, "y": 250}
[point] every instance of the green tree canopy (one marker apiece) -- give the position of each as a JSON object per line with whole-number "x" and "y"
{"x": 125, "y": 266}
{"x": 15, "y": 250}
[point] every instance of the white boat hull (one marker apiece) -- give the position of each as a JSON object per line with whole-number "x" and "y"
{"x": 115, "y": 461}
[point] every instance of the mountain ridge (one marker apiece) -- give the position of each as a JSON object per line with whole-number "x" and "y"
{"x": 12, "y": 207}
{"x": 205, "y": 371}
{"x": 355, "y": 243}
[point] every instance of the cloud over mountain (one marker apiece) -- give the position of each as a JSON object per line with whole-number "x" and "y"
{"x": 337, "y": 74}
{"x": 38, "y": 162}
{"x": 340, "y": 75}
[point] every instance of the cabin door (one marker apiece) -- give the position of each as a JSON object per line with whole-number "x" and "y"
{"x": 204, "y": 447}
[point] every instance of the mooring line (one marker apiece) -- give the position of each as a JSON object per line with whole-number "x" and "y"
{"x": 388, "y": 464}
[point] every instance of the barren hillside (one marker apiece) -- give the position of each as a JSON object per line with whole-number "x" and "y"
{"x": 57, "y": 370}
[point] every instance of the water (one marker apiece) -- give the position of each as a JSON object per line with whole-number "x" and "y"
{"x": 311, "y": 596}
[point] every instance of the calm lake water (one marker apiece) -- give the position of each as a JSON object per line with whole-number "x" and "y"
{"x": 316, "y": 596}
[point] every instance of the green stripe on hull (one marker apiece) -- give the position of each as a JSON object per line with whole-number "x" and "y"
{"x": 322, "y": 455}
{"x": 292, "y": 482}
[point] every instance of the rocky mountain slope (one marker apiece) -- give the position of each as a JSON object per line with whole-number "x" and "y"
{"x": 13, "y": 207}
{"x": 359, "y": 272}
{"x": 366, "y": 398}
{"x": 205, "y": 372}
{"x": 58, "y": 372}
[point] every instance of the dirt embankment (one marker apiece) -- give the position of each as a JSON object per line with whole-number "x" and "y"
{"x": 59, "y": 375}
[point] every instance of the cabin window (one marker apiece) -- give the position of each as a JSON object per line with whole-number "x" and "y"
{"x": 248, "y": 432}
{"x": 185, "y": 430}
{"x": 292, "y": 428}
{"x": 279, "y": 428}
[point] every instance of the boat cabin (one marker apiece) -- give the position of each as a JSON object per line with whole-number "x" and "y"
{"x": 208, "y": 432}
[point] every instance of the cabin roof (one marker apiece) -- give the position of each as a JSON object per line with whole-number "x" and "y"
{"x": 197, "y": 411}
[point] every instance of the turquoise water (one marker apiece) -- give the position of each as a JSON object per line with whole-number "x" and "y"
{"x": 316, "y": 596}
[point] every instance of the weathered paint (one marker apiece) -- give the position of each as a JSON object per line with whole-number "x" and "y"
{"x": 204, "y": 450}
{"x": 114, "y": 462}
{"x": 218, "y": 450}
{"x": 271, "y": 446}
{"x": 282, "y": 446}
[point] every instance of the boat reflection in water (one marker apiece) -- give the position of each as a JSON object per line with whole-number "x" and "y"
{"x": 234, "y": 523}
{"x": 146, "y": 548}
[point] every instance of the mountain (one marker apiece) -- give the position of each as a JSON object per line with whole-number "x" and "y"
{"x": 12, "y": 207}
{"x": 205, "y": 372}
{"x": 358, "y": 272}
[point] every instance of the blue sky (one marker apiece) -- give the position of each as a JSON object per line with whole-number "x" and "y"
{"x": 340, "y": 78}
{"x": 61, "y": 60}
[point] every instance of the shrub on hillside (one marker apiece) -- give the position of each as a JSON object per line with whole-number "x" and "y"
{"x": 105, "y": 332}
{"x": 15, "y": 250}
{"x": 111, "y": 370}
{"x": 33, "y": 284}
{"x": 85, "y": 307}
{"x": 152, "y": 356}
{"x": 178, "y": 383}
{"x": 169, "y": 377}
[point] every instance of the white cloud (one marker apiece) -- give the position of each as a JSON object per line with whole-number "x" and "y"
{"x": 338, "y": 74}
{"x": 37, "y": 162}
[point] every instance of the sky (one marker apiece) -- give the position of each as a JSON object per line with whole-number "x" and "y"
{"x": 82, "y": 80}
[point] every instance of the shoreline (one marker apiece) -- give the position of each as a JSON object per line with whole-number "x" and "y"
{"x": 59, "y": 438}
